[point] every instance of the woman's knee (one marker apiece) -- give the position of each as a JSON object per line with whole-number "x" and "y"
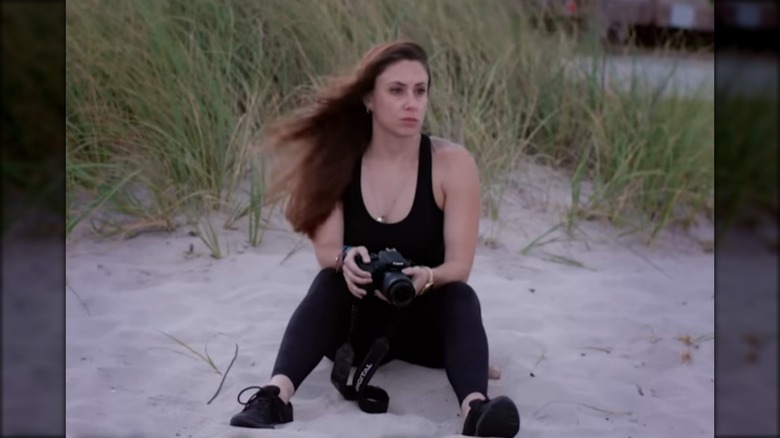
{"x": 328, "y": 279}
{"x": 327, "y": 275}
{"x": 461, "y": 296}
{"x": 328, "y": 285}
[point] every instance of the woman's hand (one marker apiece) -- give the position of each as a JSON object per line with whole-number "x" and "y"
{"x": 419, "y": 276}
{"x": 353, "y": 275}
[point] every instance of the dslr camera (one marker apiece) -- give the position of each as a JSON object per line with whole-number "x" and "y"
{"x": 385, "y": 268}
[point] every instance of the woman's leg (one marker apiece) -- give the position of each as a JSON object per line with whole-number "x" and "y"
{"x": 317, "y": 328}
{"x": 452, "y": 313}
{"x": 318, "y": 325}
{"x": 444, "y": 329}
{"x": 319, "y": 322}
{"x": 464, "y": 342}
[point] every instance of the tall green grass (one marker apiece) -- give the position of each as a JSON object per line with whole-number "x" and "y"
{"x": 167, "y": 97}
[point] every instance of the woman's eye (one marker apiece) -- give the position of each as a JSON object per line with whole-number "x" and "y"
{"x": 395, "y": 90}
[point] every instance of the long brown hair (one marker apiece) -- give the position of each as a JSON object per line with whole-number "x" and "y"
{"x": 319, "y": 145}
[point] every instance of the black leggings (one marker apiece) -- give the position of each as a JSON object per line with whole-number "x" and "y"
{"x": 440, "y": 329}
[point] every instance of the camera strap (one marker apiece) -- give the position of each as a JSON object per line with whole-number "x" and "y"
{"x": 370, "y": 399}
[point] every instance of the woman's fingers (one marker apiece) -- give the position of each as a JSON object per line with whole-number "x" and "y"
{"x": 352, "y": 266}
{"x": 358, "y": 274}
{"x": 363, "y": 254}
{"x": 353, "y": 275}
{"x": 356, "y": 291}
{"x": 356, "y": 277}
{"x": 353, "y": 288}
{"x": 353, "y": 280}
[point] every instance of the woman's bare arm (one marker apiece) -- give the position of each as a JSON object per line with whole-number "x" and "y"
{"x": 462, "y": 209}
{"x": 328, "y": 240}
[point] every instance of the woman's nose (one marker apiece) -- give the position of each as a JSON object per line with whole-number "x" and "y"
{"x": 410, "y": 101}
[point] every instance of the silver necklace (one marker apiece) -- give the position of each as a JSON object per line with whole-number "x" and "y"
{"x": 383, "y": 217}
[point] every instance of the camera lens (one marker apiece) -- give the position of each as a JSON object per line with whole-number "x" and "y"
{"x": 398, "y": 289}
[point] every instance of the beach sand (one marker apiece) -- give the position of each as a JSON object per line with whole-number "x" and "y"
{"x": 618, "y": 344}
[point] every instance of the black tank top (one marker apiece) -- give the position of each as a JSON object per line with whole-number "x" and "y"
{"x": 418, "y": 237}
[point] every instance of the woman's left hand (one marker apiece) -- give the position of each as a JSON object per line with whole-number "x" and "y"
{"x": 419, "y": 276}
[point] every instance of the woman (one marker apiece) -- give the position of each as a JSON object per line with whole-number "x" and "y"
{"x": 361, "y": 177}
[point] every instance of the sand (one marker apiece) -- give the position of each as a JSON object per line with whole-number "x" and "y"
{"x": 597, "y": 348}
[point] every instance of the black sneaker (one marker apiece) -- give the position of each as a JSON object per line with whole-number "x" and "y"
{"x": 495, "y": 418}
{"x": 263, "y": 410}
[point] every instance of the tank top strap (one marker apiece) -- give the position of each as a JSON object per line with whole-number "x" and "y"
{"x": 424, "y": 192}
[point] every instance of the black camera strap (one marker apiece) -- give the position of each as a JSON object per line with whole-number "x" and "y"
{"x": 370, "y": 399}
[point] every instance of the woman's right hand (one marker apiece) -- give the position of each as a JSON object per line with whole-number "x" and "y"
{"x": 353, "y": 275}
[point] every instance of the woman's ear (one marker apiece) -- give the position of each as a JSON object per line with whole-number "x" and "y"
{"x": 367, "y": 102}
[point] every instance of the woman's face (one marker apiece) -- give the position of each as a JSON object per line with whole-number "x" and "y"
{"x": 400, "y": 98}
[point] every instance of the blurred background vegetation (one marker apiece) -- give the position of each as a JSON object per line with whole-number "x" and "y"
{"x": 166, "y": 99}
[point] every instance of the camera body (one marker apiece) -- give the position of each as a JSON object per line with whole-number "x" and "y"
{"x": 385, "y": 268}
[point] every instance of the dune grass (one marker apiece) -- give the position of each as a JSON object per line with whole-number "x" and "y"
{"x": 166, "y": 98}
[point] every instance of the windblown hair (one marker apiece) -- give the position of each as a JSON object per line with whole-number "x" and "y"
{"x": 317, "y": 147}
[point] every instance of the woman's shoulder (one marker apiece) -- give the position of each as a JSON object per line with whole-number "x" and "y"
{"x": 450, "y": 154}
{"x": 445, "y": 145}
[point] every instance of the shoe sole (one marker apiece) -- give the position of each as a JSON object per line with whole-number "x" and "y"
{"x": 252, "y": 425}
{"x": 238, "y": 421}
{"x": 500, "y": 419}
